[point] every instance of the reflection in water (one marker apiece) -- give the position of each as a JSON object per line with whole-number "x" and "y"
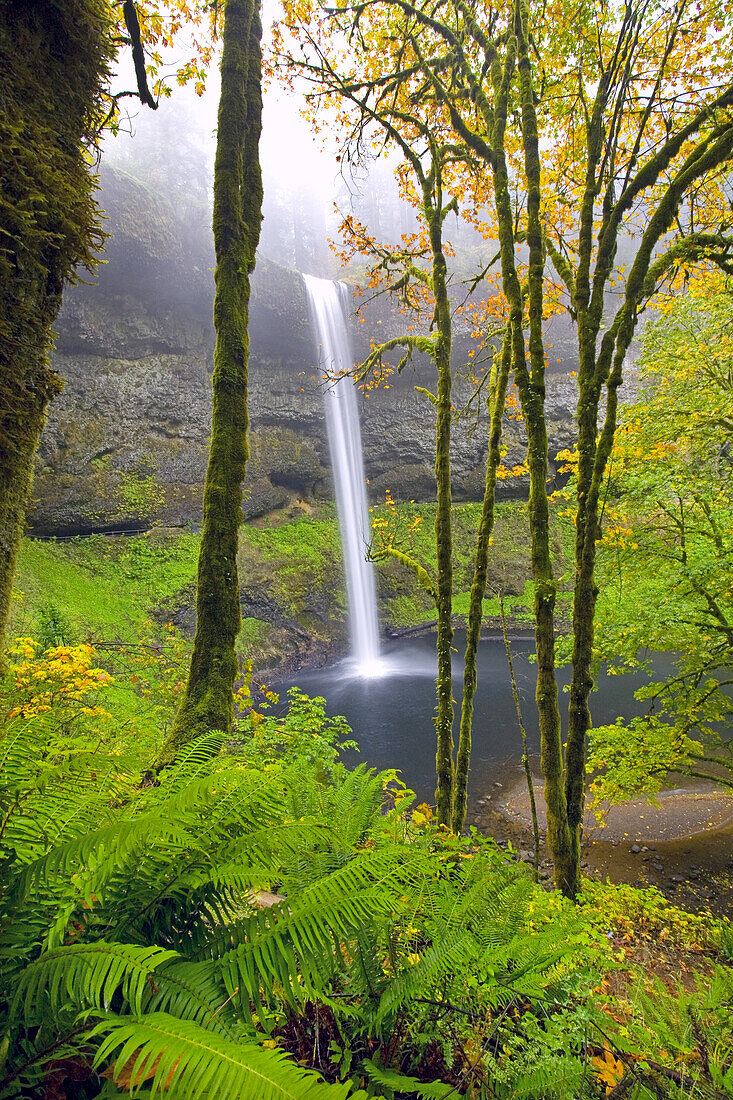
{"x": 391, "y": 712}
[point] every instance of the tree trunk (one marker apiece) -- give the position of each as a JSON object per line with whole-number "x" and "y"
{"x": 54, "y": 60}
{"x": 207, "y": 704}
{"x": 443, "y": 530}
{"x": 531, "y": 395}
{"x": 21, "y": 423}
{"x": 532, "y": 391}
{"x": 478, "y": 586}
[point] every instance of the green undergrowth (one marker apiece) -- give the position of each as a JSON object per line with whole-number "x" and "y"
{"x": 103, "y": 590}
{"x": 263, "y": 923}
{"x": 108, "y": 587}
{"x": 102, "y": 587}
{"x": 295, "y": 558}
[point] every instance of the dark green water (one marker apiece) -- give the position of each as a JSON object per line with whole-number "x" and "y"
{"x": 391, "y": 713}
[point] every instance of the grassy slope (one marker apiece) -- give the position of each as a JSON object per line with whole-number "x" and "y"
{"x": 105, "y": 589}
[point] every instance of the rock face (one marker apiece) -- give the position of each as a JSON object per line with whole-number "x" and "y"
{"x": 126, "y": 442}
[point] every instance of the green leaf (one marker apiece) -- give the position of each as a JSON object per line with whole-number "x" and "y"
{"x": 203, "y": 1064}
{"x": 431, "y": 1090}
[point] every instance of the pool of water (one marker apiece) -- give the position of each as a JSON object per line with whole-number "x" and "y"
{"x": 391, "y": 708}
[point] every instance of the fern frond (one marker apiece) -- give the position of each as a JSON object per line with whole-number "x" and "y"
{"x": 302, "y": 936}
{"x": 159, "y": 1049}
{"x": 197, "y": 755}
{"x": 89, "y": 975}
{"x": 115, "y": 842}
{"x": 398, "y": 1082}
{"x": 195, "y": 991}
{"x": 43, "y": 803}
{"x": 442, "y": 959}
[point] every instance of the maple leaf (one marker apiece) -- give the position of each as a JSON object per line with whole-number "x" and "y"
{"x": 608, "y": 1069}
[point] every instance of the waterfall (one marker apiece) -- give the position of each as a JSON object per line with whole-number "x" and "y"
{"x": 327, "y": 302}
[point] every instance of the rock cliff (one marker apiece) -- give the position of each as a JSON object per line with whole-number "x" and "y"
{"x": 125, "y": 444}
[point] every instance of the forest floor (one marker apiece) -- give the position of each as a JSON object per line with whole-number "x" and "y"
{"x": 683, "y": 847}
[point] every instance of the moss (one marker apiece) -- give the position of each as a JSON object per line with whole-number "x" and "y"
{"x": 54, "y": 59}
{"x": 252, "y": 636}
{"x": 104, "y": 586}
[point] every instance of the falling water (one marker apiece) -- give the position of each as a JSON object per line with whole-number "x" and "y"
{"x": 327, "y": 300}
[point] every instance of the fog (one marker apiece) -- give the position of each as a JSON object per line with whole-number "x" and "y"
{"x": 307, "y": 190}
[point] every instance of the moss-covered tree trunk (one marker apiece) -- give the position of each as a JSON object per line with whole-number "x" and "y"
{"x": 22, "y": 416}
{"x": 559, "y": 833}
{"x": 54, "y": 63}
{"x": 443, "y": 519}
{"x": 531, "y": 394}
{"x": 601, "y": 366}
{"x": 478, "y": 584}
{"x": 207, "y": 704}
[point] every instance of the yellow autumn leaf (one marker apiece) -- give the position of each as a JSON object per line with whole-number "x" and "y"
{"x": 609, "y": 1070}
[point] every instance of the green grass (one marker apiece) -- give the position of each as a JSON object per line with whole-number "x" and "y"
{"x": 109, "y": 588}
{"x": 105, "y": 588}
{"x": 294, "y": 558}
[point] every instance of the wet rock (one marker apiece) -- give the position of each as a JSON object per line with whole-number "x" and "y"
{"x": 658, "y": 866}
{"x": 136, "y": 350}
{"x": 635, "y": 848}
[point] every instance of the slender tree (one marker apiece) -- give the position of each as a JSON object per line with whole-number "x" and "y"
{"x": 497, "y": 399}
{"x": 405, "y": 268}
{"x": 208, "y": 702}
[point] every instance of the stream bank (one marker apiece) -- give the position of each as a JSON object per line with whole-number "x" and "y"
{"x": 684, "y": 847}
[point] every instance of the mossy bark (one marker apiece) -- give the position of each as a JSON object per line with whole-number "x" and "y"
{"x": 208, "y": 701}
{"x": 21, "y": 423}
{"x": 531, "y": 395}
{"x": 532, "y": 392}
{"x": 54, "y": 59}
{"x": 443, "y": 526}
{"x": 478, "y": 586}
{"x": 603, "y": 366}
